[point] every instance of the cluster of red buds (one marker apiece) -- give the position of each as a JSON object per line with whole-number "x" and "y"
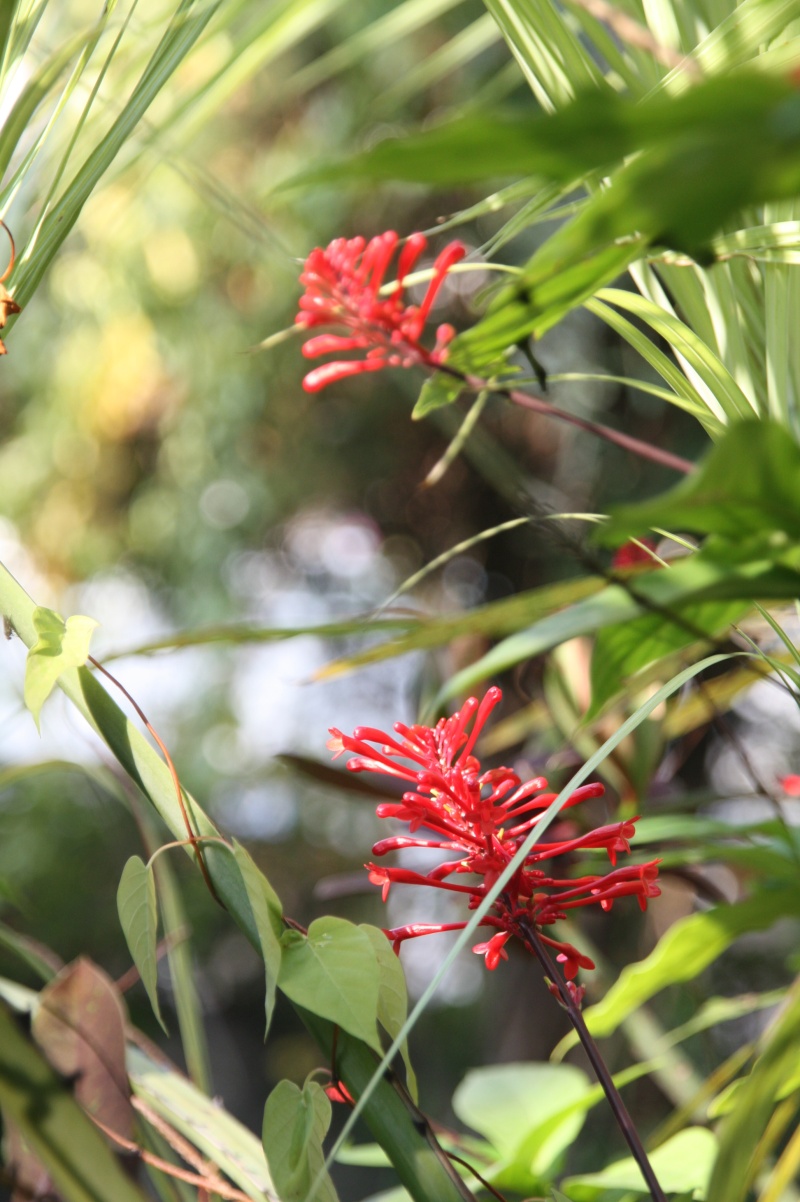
{"x": 345, "y": 287}
{"x": 483, "y": 818}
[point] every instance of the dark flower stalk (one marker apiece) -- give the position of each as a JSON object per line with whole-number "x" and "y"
{"x": 482, "y": 819}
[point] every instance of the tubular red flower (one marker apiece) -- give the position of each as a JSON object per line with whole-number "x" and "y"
{"x": 343, "y": 287}
{"x": 476, "y": 814}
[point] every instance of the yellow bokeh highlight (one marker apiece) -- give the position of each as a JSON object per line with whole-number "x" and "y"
{"x": 127, "y": 388}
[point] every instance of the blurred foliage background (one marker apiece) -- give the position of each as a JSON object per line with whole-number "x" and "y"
{"x": 160, "y": 472}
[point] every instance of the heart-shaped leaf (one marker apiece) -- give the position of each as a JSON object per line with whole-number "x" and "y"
{"x": 295, "y": 1124}
{"x": 333, "y": 972}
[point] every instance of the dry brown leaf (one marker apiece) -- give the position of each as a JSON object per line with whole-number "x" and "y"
{"x": 80, "y": 1026}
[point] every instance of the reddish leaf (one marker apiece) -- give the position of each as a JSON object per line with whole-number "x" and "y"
{"x": 80, "y": 1026}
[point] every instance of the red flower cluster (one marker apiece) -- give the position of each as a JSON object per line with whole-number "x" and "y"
{"x": 484, "y": 817}
{"x": 343, "y": 286}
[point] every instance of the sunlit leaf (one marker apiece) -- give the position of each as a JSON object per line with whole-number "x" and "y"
{"x": 188, "y": 22}
{"x": 698, "y": 578}
{"x": 682, "y": 1164}
{"x": 512, "y": 1105}
{"x": 622, "y": 650}
{"x": 744, "y": 1127}
{"x": 60, "y": 646}
{"x": 687, "y": 948}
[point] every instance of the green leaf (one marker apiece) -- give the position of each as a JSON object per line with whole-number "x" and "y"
{"x": 138, "y": 915}
{"x": 295, "y": 1123}
{"x": 685, "y": 394}
{"x": 267, "y": 914}
{"x": 687, "y": 948}
{"x": 19, "y": 120}
{"x": 697, "y": 579}
{"x": 748, "y": 484}
{"x": 691, "y": 175}
{"x": 220, "y": 1137}
{"x": 474, "y": 148}
{"x": 744, "y": 1127}
{"x": 496, "y": 618}
{"x": 333, "y": 972}
{"x": 517, "y": 1108}
{"x": 392, "y": 996}
{"x": 37, "y": 1102}
{"x": 188, "y": 22}
{"x": 622, "y": 650}
{"x": 731, "y": 401}
{"x": 60, "y": 646}
{"x": 182, "y": 969}
{"x": 437, "y": 391}
{"x": 681, "y": 1164}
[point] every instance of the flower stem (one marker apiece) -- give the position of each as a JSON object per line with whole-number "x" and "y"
{"x": 624, "y": 1120}
{"x": 644, "y": 450}
{"x": 636, "y": 446}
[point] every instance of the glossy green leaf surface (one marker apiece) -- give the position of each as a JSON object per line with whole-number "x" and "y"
{"x": 334, "y": 972}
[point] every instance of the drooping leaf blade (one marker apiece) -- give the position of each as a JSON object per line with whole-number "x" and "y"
{"x": 682, "y": 1165}
{"x": 744, "y": 1127}
{"x": 267, "y": 912}
{"x": 392, "y": 996}
{"x": 138, "y": 916}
